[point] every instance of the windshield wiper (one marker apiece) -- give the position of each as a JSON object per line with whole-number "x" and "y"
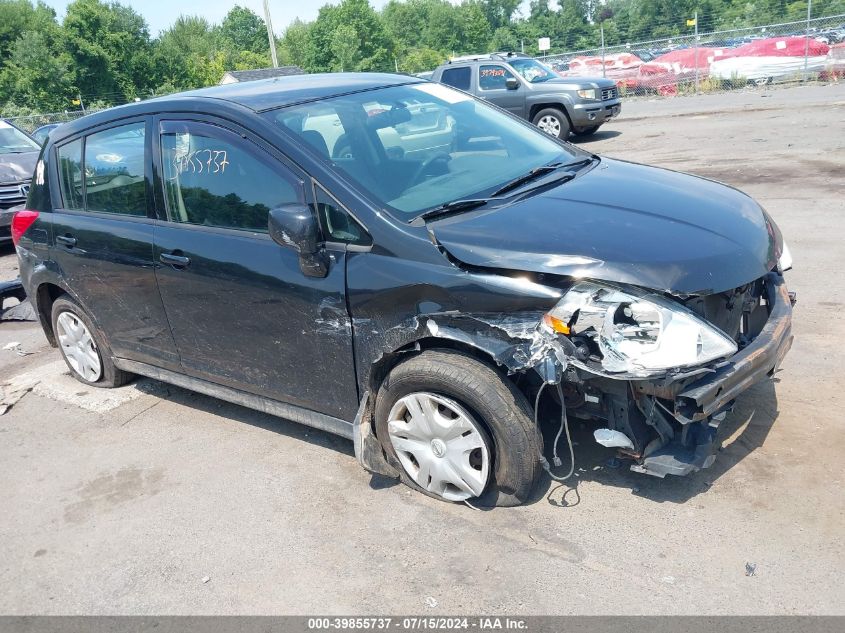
{"x": 452, "y": 207}
{"x": 542, "y": 170}
{"x": 456, "y": 206}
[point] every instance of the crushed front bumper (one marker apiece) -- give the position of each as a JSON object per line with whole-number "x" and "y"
{"x": 700, "y": 405}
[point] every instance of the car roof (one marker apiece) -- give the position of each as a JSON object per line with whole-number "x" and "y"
{"x": 259, "y": 96}
{"x": 267, "y": 94}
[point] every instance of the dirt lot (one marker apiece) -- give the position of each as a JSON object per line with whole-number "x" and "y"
{"x": 127, "y": 502}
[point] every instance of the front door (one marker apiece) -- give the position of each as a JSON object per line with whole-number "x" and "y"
{"x": 241, "y": 311}
{"x": 103, "y": 240}
{"x": 492, "y": 87}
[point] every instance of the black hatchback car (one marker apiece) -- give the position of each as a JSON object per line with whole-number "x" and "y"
{"x": 401, "y": 264}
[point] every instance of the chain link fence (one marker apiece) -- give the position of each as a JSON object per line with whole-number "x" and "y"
{"x": 791, "y": 52}
{"x": 35, "y": 121}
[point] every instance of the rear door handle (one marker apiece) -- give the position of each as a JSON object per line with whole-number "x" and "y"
{"x": 174, "y": 260}
{"x": 66, "y": 240}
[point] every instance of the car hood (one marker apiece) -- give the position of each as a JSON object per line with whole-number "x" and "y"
{"x": 567, "y": 83}
{"x": 17, "y": 167}
{"x": 624, "y": 223}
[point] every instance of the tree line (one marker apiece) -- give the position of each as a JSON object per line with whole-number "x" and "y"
{"x": 102, "y": 53}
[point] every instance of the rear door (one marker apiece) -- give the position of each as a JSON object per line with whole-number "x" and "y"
{"x": 241, "y": 311}
{"x": 103, "y": 238}
{"x": 492, "y": 87}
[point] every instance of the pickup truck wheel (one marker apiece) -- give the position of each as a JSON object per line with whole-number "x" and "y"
{"x": 457, "y": 431}
{"x": 587, "y": 131}
{"x": 552, "y": 121}
{"x": 83, "y": 346}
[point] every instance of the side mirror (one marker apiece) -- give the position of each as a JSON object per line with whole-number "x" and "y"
{"x": 294, "y": 226}
{"x": 511, "y": 83}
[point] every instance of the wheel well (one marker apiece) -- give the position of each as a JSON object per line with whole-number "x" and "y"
{"x": 542, "y": 106}
{"x": 44, "y": 298}
{"x": 384, "y": 365}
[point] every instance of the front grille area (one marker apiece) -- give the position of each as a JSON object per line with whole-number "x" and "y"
{"x": 609, "y": 93}
{"x": 11, "y": 194}
{"x": 740, "y": 313}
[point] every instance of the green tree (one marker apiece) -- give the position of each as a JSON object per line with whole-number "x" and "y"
{"x": 374, "y": 46}
{"x": 419, "y": 60}
{"x": 111, "y": 50}
{"x": 18, "y": 16}
{"x": 35, "y": 76}
{"x": 345, "y": 47}
{"x": 186, "y": 55}
{"x": 295, "y": 44}
{"x": 243, "y": 30}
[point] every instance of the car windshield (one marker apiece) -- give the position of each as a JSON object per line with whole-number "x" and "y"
{"x": 532, "y": 70}
{"x": 13, "y": 141}
{"x": 415, "y": 147}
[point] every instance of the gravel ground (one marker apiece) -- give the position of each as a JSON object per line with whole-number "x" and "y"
{"x": 154, "y": 500}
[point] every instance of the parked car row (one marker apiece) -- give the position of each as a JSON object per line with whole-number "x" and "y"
{"x": 759, "y": 61}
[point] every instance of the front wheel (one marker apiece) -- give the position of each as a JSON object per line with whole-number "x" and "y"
{"x": 552, "y": 121}
{"x": 457, "y": 430}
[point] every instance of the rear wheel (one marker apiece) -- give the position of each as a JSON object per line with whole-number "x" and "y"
{"x": 457, "y": 430}
{"x": 83, "y": 346}
{"x": 552, "y": 121}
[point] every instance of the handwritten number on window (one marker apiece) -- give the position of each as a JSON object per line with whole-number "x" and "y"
{"x": 201, "y": 161}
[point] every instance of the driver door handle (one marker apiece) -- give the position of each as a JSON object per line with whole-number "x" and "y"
{"x": 174, "y": 260}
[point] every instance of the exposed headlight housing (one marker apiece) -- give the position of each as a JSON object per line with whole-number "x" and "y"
{"x": 589, "y": 93}
{"x": 785, "y": 261}
{"x": 631, "y": 333}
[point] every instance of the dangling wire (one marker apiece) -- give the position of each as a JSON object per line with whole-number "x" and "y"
{"x": 564, "y": 424}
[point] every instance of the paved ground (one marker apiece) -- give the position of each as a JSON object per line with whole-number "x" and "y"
{"x": 127, "y": 505}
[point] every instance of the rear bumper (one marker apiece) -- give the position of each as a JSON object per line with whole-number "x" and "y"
{"x": 700, "y": 406}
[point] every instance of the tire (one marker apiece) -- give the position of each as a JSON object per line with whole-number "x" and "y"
{"x": 67, "y": 314}
{"x": 501, "y": 413}
{"x": 587, "y": 131}
{"x": 553, "y": 121}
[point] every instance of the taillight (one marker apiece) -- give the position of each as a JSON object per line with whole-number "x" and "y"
{"x": 21, "y": 223}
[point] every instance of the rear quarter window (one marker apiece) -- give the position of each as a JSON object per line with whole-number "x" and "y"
{"x": 70, "y": 174}
{"x": 457, "y": 77}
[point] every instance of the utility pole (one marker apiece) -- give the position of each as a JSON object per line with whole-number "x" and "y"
{"x": 807, "y": 38}
{"x": 696, "y": 51}
{"x": 603, "y": 71}
{"x": 270, "y": 37}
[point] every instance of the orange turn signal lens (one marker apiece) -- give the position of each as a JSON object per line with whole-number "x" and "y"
{"x": 556, "y": 324}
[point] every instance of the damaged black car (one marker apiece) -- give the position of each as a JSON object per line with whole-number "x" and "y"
{"x": 398, "y": 263}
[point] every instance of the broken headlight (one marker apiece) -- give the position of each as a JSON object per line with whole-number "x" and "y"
{"x": 632, "y": 333}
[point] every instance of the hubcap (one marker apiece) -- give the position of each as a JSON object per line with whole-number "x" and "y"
{"x": 78, "y": 346}
{"x": 439, "y": 445}
{"x": 550, "y": 125}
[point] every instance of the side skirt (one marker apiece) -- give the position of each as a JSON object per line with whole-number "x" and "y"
{"x": 259, "y": 403}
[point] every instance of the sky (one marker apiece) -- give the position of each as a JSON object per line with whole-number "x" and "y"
{"x": 160, "y": 14}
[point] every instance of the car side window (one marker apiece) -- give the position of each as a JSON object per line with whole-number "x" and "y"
{"x": 493, "y": 77}
{"x": 338, "y": 225}
{"x": 70, "y": 174}
{"x": 114, "y": 171}
{"x": 457, "y": 77}
{"x": 214, "y": 177}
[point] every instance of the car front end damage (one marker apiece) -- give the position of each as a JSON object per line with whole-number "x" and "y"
{"x": 667, "y": 422}
{"x": 662, "y": 421}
